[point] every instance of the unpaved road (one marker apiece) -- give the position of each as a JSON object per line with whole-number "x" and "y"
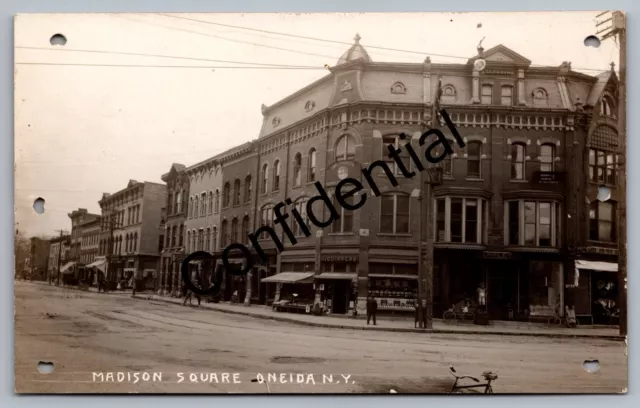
{"x": 84, "y": 333}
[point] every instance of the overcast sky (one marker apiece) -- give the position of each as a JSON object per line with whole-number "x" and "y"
{"x": 82, "y": 130}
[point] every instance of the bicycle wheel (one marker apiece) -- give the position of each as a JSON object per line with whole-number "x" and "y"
{"x": 449, "y": 316}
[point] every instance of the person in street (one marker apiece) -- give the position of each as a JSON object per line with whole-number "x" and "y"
{"x": 372, "y": 309}
{"x": 417, "y": 314}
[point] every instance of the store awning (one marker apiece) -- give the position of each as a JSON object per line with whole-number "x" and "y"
{"x": 99, "y": 264}
{"x": 290, "y": 277}
{"x": 597, "y": 265}
{"x": 391, "y": 276}
{"x": 67, "y": 268}
{"x": 336, "y": 275}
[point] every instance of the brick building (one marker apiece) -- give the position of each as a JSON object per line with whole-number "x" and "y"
{"x": 89, "y": 240}
{"x": 59, "y": 257}
{"x": 129, "y": 230}
{"x": 516, "y": 209}
{"x": 176, "y": 211}
{"x": 37, "y": 263}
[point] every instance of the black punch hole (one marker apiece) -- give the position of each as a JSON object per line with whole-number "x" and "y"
{"x": 592, "y": 41}
{"x": 591, "y": 366}
{"x": 45, "y": 367}
{"x": 58, "y": 39}
{"x": 38, "y": 205}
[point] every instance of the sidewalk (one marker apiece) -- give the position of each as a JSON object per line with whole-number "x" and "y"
{"x": 402, "y": 324}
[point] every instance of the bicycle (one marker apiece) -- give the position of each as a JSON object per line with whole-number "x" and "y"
{"x": 461, "y": 389}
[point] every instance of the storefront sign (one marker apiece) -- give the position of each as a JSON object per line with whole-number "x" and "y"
{"x": 548, "y": 177}
{"x": 496, "y": 255}
{"x": 340, "y": 258}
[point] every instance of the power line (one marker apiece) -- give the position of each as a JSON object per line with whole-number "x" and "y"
{"x": 163, "y": 66}
{"x": 164, "y": 56}
{"x": 234, "y": 40}
{"x": 423, "y": 53}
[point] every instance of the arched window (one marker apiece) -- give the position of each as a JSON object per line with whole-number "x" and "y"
{"x": 126, "y": 243}
{"x": 264, "y": 179}
{"x": 311, "y": 177}
{"x": 203, "y": 204}
{"x": 394, "y": 214}
{"x": 188, "y": 246}
{"x": 344, "y": 225}
{"x": 207, "y": 237}
{"x": 517, "y": 161}
{"x": 247, "y": 189}
{"x": 201, "y": 239}
{"x": 135, "y": 242}
{"x": 297, "y": 169}
{"x": 245, "y": 230}
{"x": 181, "y": 236}
{"x": 236, "y": 192}
{"x": 190, "y": 207}
{"x": 345, "y": 148}
{"x": 276, "y": 175}
{"x": 266, "y": 219}
{"x": 301, "y": 207}
{"x": 196, "y": 206}
{"x": 234, "y": 231}
{"x": 547, "y": 157}
{"x": 194, "y": 240}
{"x": 224, "y": 237}
{"x": 474, "y": 155}
{"x": 217, "y": 201}
{"x": 448, "y": 94}
{"x": 605, "y": 106}
{"x": 214, "y": 239}
{"x": 540, "y": 98}
{"x": 226, "y": 195}
{"x": 210, "y": 202}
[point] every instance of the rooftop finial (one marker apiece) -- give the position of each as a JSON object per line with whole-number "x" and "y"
{"x": 613, "y": 66}
{"x": 357, "y": 38}
{"x": 480, "y": 49}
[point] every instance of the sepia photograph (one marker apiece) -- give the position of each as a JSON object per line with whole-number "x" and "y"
{"x": 353, "y": 203}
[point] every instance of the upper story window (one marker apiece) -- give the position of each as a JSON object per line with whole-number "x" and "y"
{"x": 312, "y": 166}
{"x": 247, "y": 189}
{"x": 174, "y": 236}
{"x": 540, "y": 98}
{"x": 214, "y": 239}
{"x": 447, "y": 162}
{"x": 301, "y": 207}
{"x": 181, "y": 235}
{"x": 486, "y": 98}
{"x": 226, "y": 195}
{"x": 506, "y": 98}
{"x": 210, "y": 202}
{"x": 460, "y": 220}
{"x": 203, "y": 205}
{"x": 170, "y": 205}
{"x": 533, "y": 223}
{"x": 266, "y": 219}
{"x": 264, "y": 179}
{"x": 404, "y": 155}
{"x": 276, "y": 176}
{"x": 518, "y": 161}
{"x": 245, "y": 230}
{"x": 448, "y": 94}
{"x": 345, "y": 148}
{"x": 474, "y": 155}
{"x": 606, "y": 106}
{"x": 602, "y": 167}
{"x": 207, "y": 238}
{"x": 196, "y": 206}
{"x": 236, "y": 192}
{"x": 602, "y": 218}
{"x": 216, "y": 203}
{"x": 547, "y": 153}
{"x": 234, "y": 231}
{"x": 224, "y": 234}
{"x": 189, "y": 248}
{"x": 394, "y": 214}
{"x": 343, "y": 225}
{"x": 297, "y": 170}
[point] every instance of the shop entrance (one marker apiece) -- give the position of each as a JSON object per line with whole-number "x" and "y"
{"x": 604, "y": 293}
{"x": 502, "y": 285}
{"x": 339, "y": 296}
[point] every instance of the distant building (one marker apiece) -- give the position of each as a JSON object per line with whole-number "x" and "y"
{"x": 129, "y": 230}
{"x": 89, "y": 240}
{"x": 59, "y": 256}
{"x": 36, "y": 264}
{"x": 78, "y": 218}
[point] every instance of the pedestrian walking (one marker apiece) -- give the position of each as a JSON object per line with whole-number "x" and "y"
{"x": 372, "y": 309}
{"x": 417, "y": 315}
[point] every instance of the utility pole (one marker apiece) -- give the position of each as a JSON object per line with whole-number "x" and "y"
{"x": 59, "y": 256}
{"x": 618, "y": 28}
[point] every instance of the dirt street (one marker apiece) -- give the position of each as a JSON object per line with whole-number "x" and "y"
{"x": 164, "y": 348}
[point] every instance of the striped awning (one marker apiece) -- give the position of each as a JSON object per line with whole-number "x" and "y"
{"x": 67, "y": 268}
{"x": 290, "y": 277}
{"x": 336, "y": 276}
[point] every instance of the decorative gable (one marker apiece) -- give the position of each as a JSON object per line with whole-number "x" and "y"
{"x": 502, "y": 54}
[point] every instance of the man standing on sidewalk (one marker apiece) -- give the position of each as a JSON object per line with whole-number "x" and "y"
{"x": 372, "y": 309}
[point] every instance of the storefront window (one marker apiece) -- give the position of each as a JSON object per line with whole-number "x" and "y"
{"x": 545, "y": 287}
{"x": 514, "y": 223}
{"x": 345, "y": 223}
{"x": 456, "y": 220}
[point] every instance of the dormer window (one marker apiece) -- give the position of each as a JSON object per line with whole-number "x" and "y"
{"x": 605, "y": 107}
{"x": 448, "y": 94}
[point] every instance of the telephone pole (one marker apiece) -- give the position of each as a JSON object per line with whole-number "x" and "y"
{"x": 618, "y": 29}
{"x": 59, "y": 256}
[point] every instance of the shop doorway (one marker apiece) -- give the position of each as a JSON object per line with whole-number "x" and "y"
{"x": 604, "y": 294}
{"x": 340, "y": 294}
{"x": 502, "y": 282}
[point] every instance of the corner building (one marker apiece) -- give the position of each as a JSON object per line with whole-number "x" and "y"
{"x": 515, "y": 210}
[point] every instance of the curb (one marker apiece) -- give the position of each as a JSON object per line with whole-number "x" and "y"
{"x": 397, "y": 329}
